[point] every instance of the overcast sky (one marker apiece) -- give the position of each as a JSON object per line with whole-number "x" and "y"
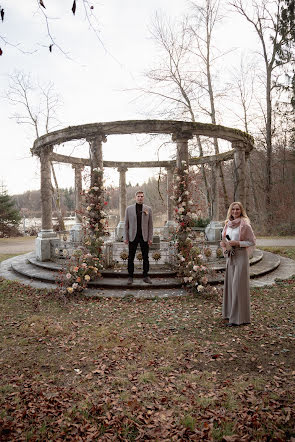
{"x": 93, "y": 79}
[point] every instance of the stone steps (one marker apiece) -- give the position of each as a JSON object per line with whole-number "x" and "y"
{"x": 262, "y": 263}
{"x": 221, "y": 265}
{"x": 155, "y": 271}
{"x": 119, "y": 283}
{"x": 265, "y": 269}
{"x": 50, "y": 272}
{"x": 267, "y": 264}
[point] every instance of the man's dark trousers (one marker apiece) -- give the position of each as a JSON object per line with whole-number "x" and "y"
{"x": 144, "y": 245}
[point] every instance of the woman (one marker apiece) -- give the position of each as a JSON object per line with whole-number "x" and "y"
{"x": 238, "y": 242}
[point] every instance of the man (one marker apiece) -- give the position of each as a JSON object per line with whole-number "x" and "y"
{"x": 138, "y": 229}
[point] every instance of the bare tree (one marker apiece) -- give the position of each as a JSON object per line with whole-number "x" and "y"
{"x": 205, "y": 18}
{"x": 172, "y": 82}
{"x": 264, "y": 17}
{"x": 37, "y": 107}
{"x": 243, "y": 85}
{"x": 183, "y": 80}
{"x": 36, "y": 104}
{"x": 43, "y": 9}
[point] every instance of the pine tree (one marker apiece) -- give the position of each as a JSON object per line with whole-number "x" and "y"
{"x": 9, "y": 215}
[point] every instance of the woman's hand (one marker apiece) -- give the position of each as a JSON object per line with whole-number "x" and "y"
{"x": 233, "y": 243}
{"x": 222, "y": 244}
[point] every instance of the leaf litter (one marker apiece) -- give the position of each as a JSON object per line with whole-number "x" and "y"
{"x": 161, "y": 369}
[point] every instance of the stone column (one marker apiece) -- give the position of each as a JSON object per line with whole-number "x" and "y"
{"x": 46, "y": 188}
{"x": 78, "y": 192}
{"x": 182, "y": 165}
{"x": 123, "y": 195}
{"x": 96, "y": 158}
{"x": 239, "y": 171}
{"x": 215, "y": 174}
{"x": 169, "y": 193}
{"x": 214, "y": 229}
{"x": 182, "y": 150}
{"x": 76, "y": 230}
{"x": 122, "y": 203}
{"x": 44, "y": 242}
{"x": 170, "y": 225}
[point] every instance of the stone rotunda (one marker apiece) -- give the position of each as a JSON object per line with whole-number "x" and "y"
{"x": 42, "y": 268}
{"x": 97, "y": 133}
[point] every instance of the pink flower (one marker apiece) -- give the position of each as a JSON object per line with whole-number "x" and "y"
{"x": 204, "y": 280}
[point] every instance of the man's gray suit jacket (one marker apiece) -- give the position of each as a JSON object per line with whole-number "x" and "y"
{"x": 131, "y": 223}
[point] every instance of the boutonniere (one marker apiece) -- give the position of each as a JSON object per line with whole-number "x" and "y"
{"x": 145, "y": 212}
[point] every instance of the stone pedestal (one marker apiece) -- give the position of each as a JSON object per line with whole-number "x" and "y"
{"x": 108, "y": 254}
{"x": 169, "y": 229}
{"x": 44, "y": 243}
{"x": 156, "y": 244}
{"x": 76, "y": 233}
{"x": 213, "y": 231}
{"x": 119, "y": 234}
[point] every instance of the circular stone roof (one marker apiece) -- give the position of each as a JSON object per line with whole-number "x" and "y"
{"x": 180, "y": 129}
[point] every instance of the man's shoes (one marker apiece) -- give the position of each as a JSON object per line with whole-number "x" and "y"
{"x": 231, "y": 324}
{"x": 130, "y": 281}
{"x": 147, "y": 280}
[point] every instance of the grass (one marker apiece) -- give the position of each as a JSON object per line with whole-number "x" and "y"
{"x": 146, "y": 369}
{"x": 162, "y": 369}
{"x": 5, "y": 256}
{"x": 286, "y": 251}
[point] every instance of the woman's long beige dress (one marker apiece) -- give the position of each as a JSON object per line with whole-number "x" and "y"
{"x": 236, "y": 294}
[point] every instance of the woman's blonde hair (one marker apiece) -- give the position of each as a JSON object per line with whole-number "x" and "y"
{"x": 243, "y": 212}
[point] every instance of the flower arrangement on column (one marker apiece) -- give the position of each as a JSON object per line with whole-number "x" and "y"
{"x": 87, "y": 261}
{"x": 190, "y": 257}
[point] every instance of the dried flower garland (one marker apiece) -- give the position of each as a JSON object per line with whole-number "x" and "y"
{"x": 191, "y": 266}
{"x": 86, "y": 262}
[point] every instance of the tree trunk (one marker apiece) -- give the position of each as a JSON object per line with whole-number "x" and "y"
{"x": 268, "y": 187}
{"x": 219, "y": 167}
{"x": 253, "y": 188}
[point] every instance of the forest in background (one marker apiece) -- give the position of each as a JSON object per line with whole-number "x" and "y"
{"x": 155, "y": 189}
{"x": 193, "y": 78}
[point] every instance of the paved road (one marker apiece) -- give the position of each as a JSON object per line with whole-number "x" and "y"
{"x": 27, "y": 244}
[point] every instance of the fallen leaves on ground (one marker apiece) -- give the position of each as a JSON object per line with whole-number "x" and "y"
{"x": 162, "y": 369}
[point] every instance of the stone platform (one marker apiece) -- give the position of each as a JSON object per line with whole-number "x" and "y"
{"x": 265, "y": 269}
